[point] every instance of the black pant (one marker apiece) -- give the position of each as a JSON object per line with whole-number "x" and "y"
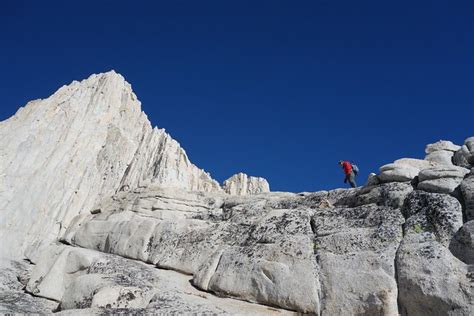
{"x": 351, "y": 178}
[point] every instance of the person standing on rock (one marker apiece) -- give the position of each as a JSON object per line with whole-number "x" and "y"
{"x": 349, "y": 173}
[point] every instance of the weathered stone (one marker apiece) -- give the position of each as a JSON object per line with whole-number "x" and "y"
{"x": 135, "y": 205}
{"x": 372, "y": 179}
{"x": 356, "y": 248}
{"x": 20, "y": 303}
{"x": 275, "y": 266}
{"x": 387, "y": 194}
{"x": 439, "y": 214}
{"x": 57, "y": 268}
{"x": 113, "y": 285}
{"x": 248, "y": 240}
{"x": 441, "y": 145}
{"x": 467, "y": 190}
{"x": 257, "y": 249}
{"x": 397, "y": 173}
{"x": 48, "y": 139}
{"x": 13, "y": 300}
{"x": 121, "y": 297}
{"x": 419, "y": 164}
{"x": 465, "y": 156}
{"x": 402, "y": 170}
{"x": 442, "y": 157}
{"x": 460, "y": 157}
{"x": 469, "y": 143}
{"x": 13, "y": 274}
{"x": 431, "y": 281}
{"x": 462, "y": 246}
{"x": 442, "y": 172}
{"x": 441, "y": 179}
{"x": 241, "y": 184}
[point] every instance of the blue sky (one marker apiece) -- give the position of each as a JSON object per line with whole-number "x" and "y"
{"x": 279, "y": 89}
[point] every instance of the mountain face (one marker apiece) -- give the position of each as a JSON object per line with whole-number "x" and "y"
{"x": 62, "y": 155}
{"x": 114, "y": 218}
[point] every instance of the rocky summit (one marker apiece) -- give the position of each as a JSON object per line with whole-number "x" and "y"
{"x": 103, "y": 214}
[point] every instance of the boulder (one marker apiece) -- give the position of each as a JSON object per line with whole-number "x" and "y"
{"x": 401, "y": 170}
{"x": 441, "y": 145}
{"x": 241, "y": 184}
{"x": 460, "y": 157}
{"x": 372, "y": 179}
{"x": 467, "y": 190}
{"x": 431, "y": 281}
{"x": 465, "y": 156}
{"x": 419, "y": 164}
{"x": 439, "y": 214}
{"x": 462, "y": 246}
{"x": 397, "y": 173}
{"x": 441, "y": 179}
{"x": 443, "y": 157}
{"x": 56, "y": 270}
{"x": 469, "y": 143}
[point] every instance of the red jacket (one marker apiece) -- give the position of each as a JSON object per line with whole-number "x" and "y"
{"x": 346, "y": 165}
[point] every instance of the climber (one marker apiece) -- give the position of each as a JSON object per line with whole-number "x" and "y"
{"x": 349, "y": 173}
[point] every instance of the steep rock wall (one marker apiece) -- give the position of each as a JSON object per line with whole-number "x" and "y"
{"x": 61, "y": 155}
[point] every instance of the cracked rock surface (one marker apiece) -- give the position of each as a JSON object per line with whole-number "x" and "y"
{"x": 13, "y": 298}
{"x": 347, "y": 256}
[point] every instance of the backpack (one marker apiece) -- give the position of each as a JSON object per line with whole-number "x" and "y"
{"x": 355, "y": 169}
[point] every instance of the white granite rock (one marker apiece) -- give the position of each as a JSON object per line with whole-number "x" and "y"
{"x": 441, "y": 145}
{"x": 356, "y": 248}
{"x": 467, "y": 190}
{"x": 401, "y": 170}
{"x": 439, "y": 214}
{"x": 464, "y": 157}
{"x": 397, "y": 173}
{"x": 13, "y": 300}
{"x": 431, "y": 281}
{"x": 134, "y": 205}
{"x": 469, "y": 143}
{"x": 108, "y": 284}
{"x": 462, "y": 246}
{"x": 443, "y": 157}
{"x": 461, "y": 156}
{"x": 261, "y": 248}
{"x": 62, "y": 155}
{"x": 441, "y": 179}
{"x": 419, "y": 164}
{"x": 391, "y": 194}
{"x": 372, "y": 179}
{"x": 221, "y": 239}
{"x": 241, "y": 184}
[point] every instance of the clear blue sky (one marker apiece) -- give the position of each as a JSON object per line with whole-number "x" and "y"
{"x": 279, "y": 89}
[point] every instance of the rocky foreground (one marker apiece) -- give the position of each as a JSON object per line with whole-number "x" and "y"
{"x": 134, "y": 227}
